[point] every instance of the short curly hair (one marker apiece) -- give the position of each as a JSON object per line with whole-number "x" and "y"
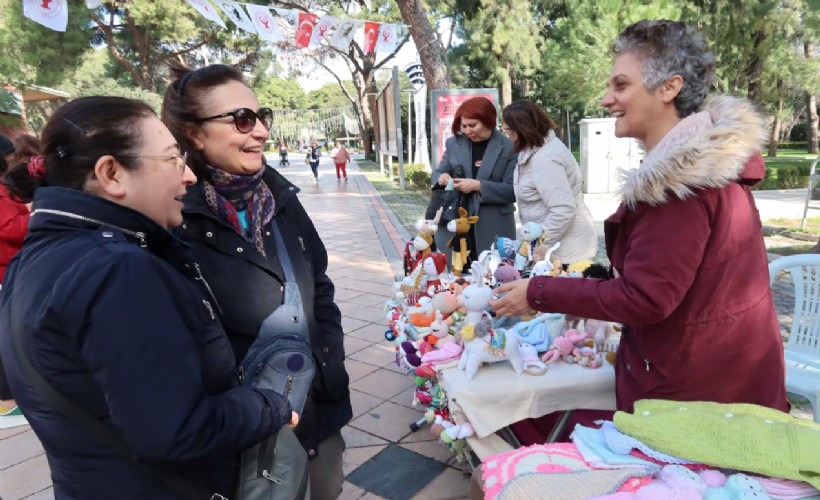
{"x": 668, "y": 48}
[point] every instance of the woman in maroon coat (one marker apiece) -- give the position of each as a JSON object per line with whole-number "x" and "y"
{"x": 690, "y": 279}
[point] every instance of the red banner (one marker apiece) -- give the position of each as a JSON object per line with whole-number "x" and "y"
{"x": 305, "y": 29}
{"x": 445, "y": 107}
{"x": 371, "y": 36}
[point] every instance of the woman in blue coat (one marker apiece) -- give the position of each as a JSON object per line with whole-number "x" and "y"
{"x": 109, "y": 310}
{"x": 231, "y": 222}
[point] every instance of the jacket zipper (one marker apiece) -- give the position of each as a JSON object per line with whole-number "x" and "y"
{"x": 136, "y": 234}
{"x": 302, "y": 243}
{"x": 200, "y": 277}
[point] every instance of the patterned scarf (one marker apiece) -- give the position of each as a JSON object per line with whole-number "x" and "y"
{"x": 227, "y": 193}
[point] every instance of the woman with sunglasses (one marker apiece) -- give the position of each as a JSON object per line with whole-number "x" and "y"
{"x": 103, "y": 305}
{"x": 245, "y": 224}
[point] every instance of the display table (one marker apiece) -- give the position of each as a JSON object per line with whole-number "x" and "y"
{"x": 498, "y": 397}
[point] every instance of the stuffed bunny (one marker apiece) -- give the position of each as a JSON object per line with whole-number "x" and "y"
{"x": 481, "y": 343}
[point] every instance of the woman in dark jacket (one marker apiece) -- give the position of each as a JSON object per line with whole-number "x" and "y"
{"x": 108, "y": 309}
{"x": 479, "y": 159}
{"x": 231, "y": 221}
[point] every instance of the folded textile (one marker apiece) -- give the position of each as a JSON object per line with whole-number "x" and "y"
{"x": 556, "y": 469}
{"x": 623, "y": 444}
{"x": 593, "y": 447}
{"x": 786, "y": 489}
{"x": 743, "y": 437}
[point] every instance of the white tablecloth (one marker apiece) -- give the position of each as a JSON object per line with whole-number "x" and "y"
{"x": 498, "y": 397}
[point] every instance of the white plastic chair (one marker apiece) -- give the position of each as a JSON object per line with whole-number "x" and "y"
{"x": 803, "y": 348}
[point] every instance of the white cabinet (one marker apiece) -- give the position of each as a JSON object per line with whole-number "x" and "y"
{"x": 603, "y": 155}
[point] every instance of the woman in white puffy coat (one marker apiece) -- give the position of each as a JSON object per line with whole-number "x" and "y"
{"x": 547, "y": 182}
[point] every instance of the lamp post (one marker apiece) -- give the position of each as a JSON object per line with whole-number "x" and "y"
{"x": 416, "y": 76}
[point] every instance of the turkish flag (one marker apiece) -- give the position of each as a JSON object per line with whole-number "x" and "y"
{"x": 305, "y": 29}
{"x": 371, "y": 36}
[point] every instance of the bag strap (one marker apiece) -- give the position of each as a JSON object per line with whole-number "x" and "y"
{"x": 103, "y": 433}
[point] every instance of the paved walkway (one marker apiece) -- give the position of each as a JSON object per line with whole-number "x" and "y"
{"x": 364, "y": 242}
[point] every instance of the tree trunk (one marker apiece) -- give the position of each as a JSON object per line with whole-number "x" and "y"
{"x": 811, "y": 108}
{"x": 506, "y": 85}
{"x": 774, "y": 137}
{"x": 755, "y": 71}
{"x": 431, "y": 54}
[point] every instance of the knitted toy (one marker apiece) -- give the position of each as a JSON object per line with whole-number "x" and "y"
{"x": 545, "y": 265}
{"x": 532, "y": 365}
{"x": 563, "y": 345}
{"x": 541, "y": 331}
{"x": 530, "y": 232}
{"x": 434, "y": 265}
{"x": 421, "y": 246}
{"x": 481, "y": 343}
{"x": 460, "y": 243}
{"x": 505, "y": 273}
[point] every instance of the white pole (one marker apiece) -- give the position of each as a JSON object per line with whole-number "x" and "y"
{"x": 410, "y": 127}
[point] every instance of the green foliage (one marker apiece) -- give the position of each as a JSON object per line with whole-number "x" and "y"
{"x": 281, "y": 93}
{"x": 418, "y": 175}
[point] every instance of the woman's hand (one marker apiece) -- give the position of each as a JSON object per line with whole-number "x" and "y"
{"x": 294, "y": 419}
{"x": 514, "y": 302}
{"x": 467, "y": 185}
{"x": 443, "y": 179}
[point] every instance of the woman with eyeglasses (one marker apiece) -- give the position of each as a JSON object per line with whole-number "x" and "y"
{"x": 548, "y": 183}
{"x": 103, "y": 306}
{"x": 480, "y": 160}
{"x": 246, "y": 227}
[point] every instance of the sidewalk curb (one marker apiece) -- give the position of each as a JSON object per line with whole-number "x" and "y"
{"x": 392, "y": 235}
{"x": 782, "y": 231}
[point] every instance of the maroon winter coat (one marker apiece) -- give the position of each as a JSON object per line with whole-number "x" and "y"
{"x": 692, "y": 286}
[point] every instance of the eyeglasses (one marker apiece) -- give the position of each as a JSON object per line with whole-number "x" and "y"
{"x": 180, "y": 159}
{"x": 244, "y": 119}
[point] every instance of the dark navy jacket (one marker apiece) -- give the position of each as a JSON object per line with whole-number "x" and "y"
{"x": 248, "y": 287}
{"x": 123, "y": 332}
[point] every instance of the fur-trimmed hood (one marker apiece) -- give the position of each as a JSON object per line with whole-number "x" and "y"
{"x": 709, "y": 149}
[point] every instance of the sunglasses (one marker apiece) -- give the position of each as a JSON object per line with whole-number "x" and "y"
{"x": 244, "y": 119}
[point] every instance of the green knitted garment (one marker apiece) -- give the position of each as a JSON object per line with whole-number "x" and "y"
{"x": 744, "y": 437}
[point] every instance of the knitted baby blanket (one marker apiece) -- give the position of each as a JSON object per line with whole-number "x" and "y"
{"x": 738, "y": 436}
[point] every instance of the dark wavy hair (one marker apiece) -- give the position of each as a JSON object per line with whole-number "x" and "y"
{"x": 182, "y": 103}
{"x": 668, "y": 48}
{"x": 75, "y": 137}
{"x": 477, "y": 108}
{"x": 530, "y": 123}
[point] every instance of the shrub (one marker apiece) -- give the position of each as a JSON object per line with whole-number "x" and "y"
{"x": 418, "y": 175}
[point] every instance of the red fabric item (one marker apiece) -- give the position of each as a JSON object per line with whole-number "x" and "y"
{"x": 694, "y": 296}
{"x": 13, "y": 228}
{"x": 536, "y": 430}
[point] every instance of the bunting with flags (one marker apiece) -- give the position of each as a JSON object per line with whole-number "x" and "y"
{"x": 265, "y": 24}
{"x": 207, "y": 11}
{"x": 52, "y": 14}
{"x": 307, "y": 29}
{"x": 322, "y": 29}
{"x": 237, "y": 14}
